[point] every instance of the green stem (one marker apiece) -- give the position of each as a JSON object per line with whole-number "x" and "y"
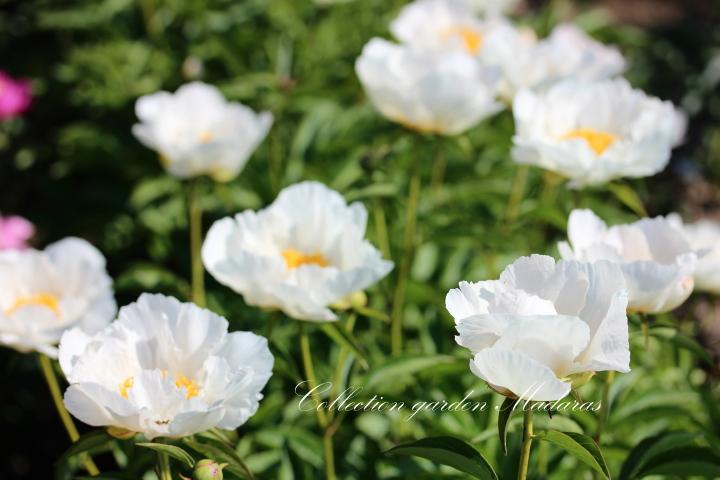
{"x": 526, "y": 443}
{"x": 164, "y": 471}
{"x": 321, "y": 417}
{"x": 645, "y": 328}
{"x": 604, "y": 406}
{"x": 271, "y": 324}
{"x": 337, "y": 383}
{"x": 408, "y": 242}
{"x": 438, "y": 171}
{"x": 310, "y": 372}
{"x": 51, "y": 379}
{"x": 381, "y": 231}
{"x": 148, "y": 14}
{"x": 329, "y": 456}
{"x": 542, "y": 460}
{"x": 198, "y": 272}
{"x": 517, "y": 192}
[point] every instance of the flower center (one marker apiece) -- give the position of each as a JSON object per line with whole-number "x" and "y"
{"x": 47, "y": 300}
{"x": 296, "y": 258}
{"x": 470, "y": 38}
{"x": 597, "y": 140}
{"x": 192, "y": 389}
{"x": 206, "y": 136}
{"x": 125, "y": 386}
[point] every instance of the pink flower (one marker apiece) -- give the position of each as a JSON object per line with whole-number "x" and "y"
{"x": 15, "y": 232}
{"x": 15, "y": 96}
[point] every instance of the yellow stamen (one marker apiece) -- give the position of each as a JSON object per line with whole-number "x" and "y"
{"x": 470, "y": 38}
{"x": 206, "y": 136}
{"x": 47, "y": 300}
{"x": 125, "y": 386}
{"x": 192, "y": 388}
{"x": 597, "y": 140}
{"x": 295, "y": 258}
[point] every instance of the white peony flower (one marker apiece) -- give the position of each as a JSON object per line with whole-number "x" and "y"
{"x": 445, "y": 94}
{"x": 165, "y": 369}
{"x": 656, "y": 258}
{"x": 43, "y": 293}
{"x": 543, "y": 324}
{"x": 301, "y": 254}
{"x": 530, "y": 63}
{"x": 704, "y": 236}
{"x": 592, "y": 133}
{"x": 197, "y": 132}
{"x": 441, "y": 26}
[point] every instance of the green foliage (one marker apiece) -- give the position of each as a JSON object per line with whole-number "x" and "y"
{"x": 72, "y": 167}
{"x": 449, "y": 451}
{"x": 171, "y": 451}
{"x": 579, "y": 446}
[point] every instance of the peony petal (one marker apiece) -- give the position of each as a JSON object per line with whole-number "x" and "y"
{"x": 72, "y": 345}
{"x": 657, "y": 288}
{"x": 96, "y": 406}
{"x": 518, "y": 373}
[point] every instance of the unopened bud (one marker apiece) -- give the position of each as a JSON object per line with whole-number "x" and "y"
{"x": 120, "y": 433}
{"x": 208, "y": 470}
{"x": 580, "y": 379}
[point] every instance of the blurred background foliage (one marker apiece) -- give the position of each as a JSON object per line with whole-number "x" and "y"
{"x": 72, "y": 166}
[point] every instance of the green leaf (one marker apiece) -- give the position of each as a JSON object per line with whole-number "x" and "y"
{"x": 172, "y": 451}
{"x": 628, "y": 197}
{"x": 650, "y": 452}
{"x": 404, "y": 367}
{"x": 682, "y": 341}
{"x": 228, "y": 437}
{"x": 221, "y": 453}
{"x": 506, "y": 410}
{"x": 340, "y": 336}
{"x": 449, "y": 451}
{"x": 87, "y": 442}
{"x": 684, "y": 462}
{"x": 579, "y": 446}
{"x": 372, "y": 313}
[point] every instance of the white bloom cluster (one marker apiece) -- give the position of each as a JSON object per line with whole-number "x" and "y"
{"x": 165, "y": 368}
{"x": 433, "y": 81}
{"x": 195, "y": 131}
{"x": 301, "y": 254}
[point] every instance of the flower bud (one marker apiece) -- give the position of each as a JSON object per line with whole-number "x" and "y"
{"x": 353, "y": 300}
{"x": 207, "y": 469}
{"x": 580, "y": 379}
{"x": 120, "y": 433}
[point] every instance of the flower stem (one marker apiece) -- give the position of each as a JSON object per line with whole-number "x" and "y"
{"x": 164, "y": 471}
{"x": 526, "y": 444}
{"x": 381, "y": 231}
{"x": 645, "y": 328}
{"x": 516, "y": 194}
{"x": 321, "y": 417}
{"x": 605, "y": 405}
{"x": 329, "y": 456}
{"x": 340, "y": 363}
{"x": 198, "y": 272}
{"x": 271, "y": 324}
{"x": 51, "y": 379}
{"x": 438, "y": 171}
{"x": 409, "y": 240}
